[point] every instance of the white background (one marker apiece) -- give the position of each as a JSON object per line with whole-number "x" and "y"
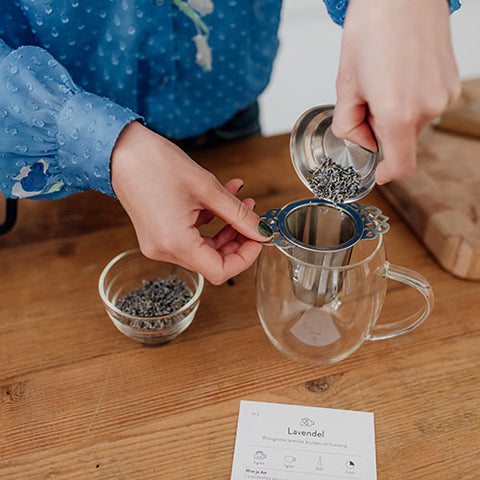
{"x": 306, "y": 66}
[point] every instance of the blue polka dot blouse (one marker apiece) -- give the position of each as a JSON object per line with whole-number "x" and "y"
{"x": 73, "y": 73}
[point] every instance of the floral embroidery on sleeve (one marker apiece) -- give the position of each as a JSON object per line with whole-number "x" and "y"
{"x": 35, "y": 180}
{"x": 194, "y": 9}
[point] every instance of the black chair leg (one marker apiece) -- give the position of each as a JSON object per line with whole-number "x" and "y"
{"x": 10, "y": 215}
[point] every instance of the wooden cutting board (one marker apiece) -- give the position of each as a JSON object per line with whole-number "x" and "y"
{"x": 464, "y": 115}
{"x": 441, "y": 201}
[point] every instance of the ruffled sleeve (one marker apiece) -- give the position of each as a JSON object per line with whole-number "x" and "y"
{"x": 55, "y": 138}
{"x": 338, "y": 8}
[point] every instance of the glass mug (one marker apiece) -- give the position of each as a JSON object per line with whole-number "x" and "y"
{"x": 321, "y": 284}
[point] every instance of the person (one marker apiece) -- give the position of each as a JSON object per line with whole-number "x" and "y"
{"x": 93, "y": 93}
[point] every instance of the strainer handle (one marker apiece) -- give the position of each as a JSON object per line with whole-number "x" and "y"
{"x": 271, "y": 218}
{"x": 419, "y": 283}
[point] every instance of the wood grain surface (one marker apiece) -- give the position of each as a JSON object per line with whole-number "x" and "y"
{"x": 441, "y": 200}
{"x": 464, "y": 115}
{"x": 78, "y": 400}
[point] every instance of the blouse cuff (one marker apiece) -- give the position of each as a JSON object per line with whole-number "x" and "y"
{"x": 88, "y": 127}
{"x": 337, "y": 9}
{"x": 56, "y": 138}
{"x": 454, "y": 5}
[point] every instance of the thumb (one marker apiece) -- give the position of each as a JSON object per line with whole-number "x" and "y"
{"x": 350, "y": 123}
{"x": 237, "y": 214}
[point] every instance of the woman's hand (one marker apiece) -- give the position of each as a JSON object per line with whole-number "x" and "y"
{"x": 397, "y": 73}
{"x": 168, "y": 196}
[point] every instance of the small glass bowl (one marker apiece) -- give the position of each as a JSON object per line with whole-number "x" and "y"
{"x": 130, "y": 270}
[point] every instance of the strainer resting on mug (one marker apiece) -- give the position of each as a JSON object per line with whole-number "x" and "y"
{"x": 316, "y": 233}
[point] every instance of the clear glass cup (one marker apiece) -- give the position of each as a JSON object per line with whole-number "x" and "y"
{"x": 327, "y": 331}
{"x": 130, "y": 270}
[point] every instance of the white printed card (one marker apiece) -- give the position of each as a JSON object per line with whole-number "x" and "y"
{"x": 291, "y": 442}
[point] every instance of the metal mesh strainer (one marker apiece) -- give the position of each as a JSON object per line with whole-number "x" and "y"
{"x": 318, "y": 236}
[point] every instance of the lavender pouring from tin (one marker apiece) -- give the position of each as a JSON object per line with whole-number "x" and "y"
{"x": 324, "y": 227}
{"x": 317, "y": 152}
{"x": 332, "y": 182}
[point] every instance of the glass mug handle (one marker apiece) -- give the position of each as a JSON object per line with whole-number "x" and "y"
{"x": 419, "y": 283}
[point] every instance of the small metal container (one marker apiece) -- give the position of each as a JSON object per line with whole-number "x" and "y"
{"x": 312, "y": 141}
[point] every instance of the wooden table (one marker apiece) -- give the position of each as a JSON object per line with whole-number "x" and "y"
{"x": 81, "y": 401}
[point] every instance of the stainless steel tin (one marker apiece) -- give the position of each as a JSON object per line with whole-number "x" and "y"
{"x": 312, "y": 141}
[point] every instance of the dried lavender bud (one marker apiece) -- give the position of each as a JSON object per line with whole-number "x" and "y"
{"x": 335, "y": 183}
{"x": 153, "y": 299}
